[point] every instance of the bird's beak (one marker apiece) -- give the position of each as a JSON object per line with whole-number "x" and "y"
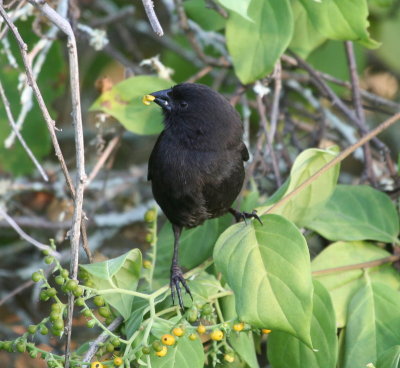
{"x": 161, "y": 98}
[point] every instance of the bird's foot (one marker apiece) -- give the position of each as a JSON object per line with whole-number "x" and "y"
{"x": 244, "y": 215}
{"x": 177, "y": 279}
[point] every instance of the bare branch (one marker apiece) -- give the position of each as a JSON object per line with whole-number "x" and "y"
{"x": 25, "y": 236}
{"x": 355, "y": 89}
{"x": 18, "y": 134}
{"x": 101, "y": 338}
{"x": 65, "y": 27}
{"x": 155, "y": 24}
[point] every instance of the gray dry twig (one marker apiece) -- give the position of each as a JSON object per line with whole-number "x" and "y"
{"x": 151, "y": 14}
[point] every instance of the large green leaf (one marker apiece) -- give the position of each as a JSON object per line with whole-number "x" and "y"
{"x": 342, "y": 285}
{"x": 341, "y": 19}
{"x": 373, "y": 324}
{"x": 303, "y": 207}
{"x": 255, "y": 45}
{"x": 358, "y": 212}
{"x": 196, "y": 245}
{"x": 286, "y": 351}
{"x": 207, "y": 18}
{"x": 305, "y": 36}
{"x": 239, "y": 7}
{"x": 268, "y": 268}
{"x": 124, "y": 103}
{"x": 122, "y": 272}
{"x": 184, "y": 354}
{"x": 390, "y": 358}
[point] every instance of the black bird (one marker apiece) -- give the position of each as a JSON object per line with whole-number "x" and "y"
{"x": 196, "y": 166}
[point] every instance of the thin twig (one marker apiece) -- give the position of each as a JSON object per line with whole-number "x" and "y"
{"x": 267, "y": 132}
{"x": 155, "y": 23}
{"x": 103, "y": 158}
{"x": 11, "y": 120}
{"x": 65, "y": 27}
{"x": 17, "y": 290}
{"x": 184, "y": 24}
{"x": 25, "y": 236}
{"x": 347, "y": 152}
{"x": 101, "y": 339}
{"x": 358, "y": 266}
{"x": 355, "y": 90}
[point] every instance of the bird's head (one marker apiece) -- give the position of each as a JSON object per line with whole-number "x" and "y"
{"x": 194, "y": 107}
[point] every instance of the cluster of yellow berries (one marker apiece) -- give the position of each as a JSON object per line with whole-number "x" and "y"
{"x": 117, "y": 363}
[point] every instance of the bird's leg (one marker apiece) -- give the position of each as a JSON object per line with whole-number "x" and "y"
{"x": 244, "y": 215}
{"x": 176, "y": 272}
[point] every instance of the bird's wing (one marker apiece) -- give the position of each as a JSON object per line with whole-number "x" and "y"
{"x": 244, "y": 152}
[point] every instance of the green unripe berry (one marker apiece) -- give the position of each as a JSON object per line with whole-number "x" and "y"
{"x": 54, "y": 316}
{"x": 36, "y": 276}
{"x": 45, "y": 252}
{"x": 78, "y": 291}
{"x": 149, "y": 237}
{"x": 8, "y": 346}
{"x": 44, "y": 330}
{"x": 192, "y": 315}
{"x": 56, "y": 332}
{"x": 59, "y": 280}
{"x": 98, "y": 301}
{"x": 49, "y": 260}
{"x": 52, "y": 364}
{"x": 150, "y": 216}
{"x": 206, "y": 310}
{"x": 89, "y": 283}
{"x": 115, "y": 341}
{"x": 43, "y": 355}
{"x": 146, "y": 350}
{"x": 64, "y": 273}
{"x": 21, "y": 347}
{"x": 108, "y": 320}
{"x": 87, "y": 313}
{"x": 33, "y": 354}
{"x": 80, "y": 302}
{"x": 43, "y": 296}
{"x": 71, "y": 285}
{"x": 51, "y": 292}
{"x": 58, "y": 324}
{"x": 157, "y": 346}
{"x": 104, "y": 312}
{"x": 32, "y": 329}
{"x": 110, "y": 348}
{"x": 56, "y": 307}
{"x": 91, "y": 323}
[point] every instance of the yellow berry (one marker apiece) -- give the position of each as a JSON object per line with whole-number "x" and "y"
{"x": 168, "y": 339}
{"x": 147, "y": 264}
{"x": 229, "y": 358}
{"x": 178, "y": 331}
{"x": 96, "y": 365}
{"x": 162, "y": 352}
{"x": 238, "y": 326}
{"x": 216, "y": 335}
{"x": 118, "y": 361}
{"x": 201, "y": 329}
{"x": 265, "y": 331}
{"x": 192, "y": 337}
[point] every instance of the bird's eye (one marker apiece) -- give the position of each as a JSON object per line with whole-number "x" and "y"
{"x": 183, "y": 104}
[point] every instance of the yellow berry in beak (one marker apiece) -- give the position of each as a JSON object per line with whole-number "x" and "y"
{"x": 147, "y": 99}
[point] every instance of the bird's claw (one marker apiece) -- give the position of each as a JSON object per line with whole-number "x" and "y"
{"x": 177, "y": 279}
{"x": 245, "y": 215}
